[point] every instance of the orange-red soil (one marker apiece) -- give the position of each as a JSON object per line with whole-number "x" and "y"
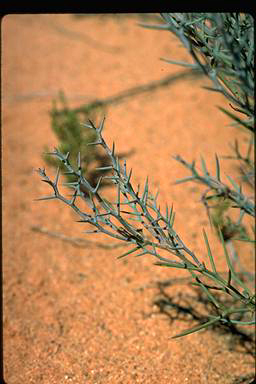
{"x": 79, "y": 315}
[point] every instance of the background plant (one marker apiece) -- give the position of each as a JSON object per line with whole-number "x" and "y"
{"x": 222, "y": 47}
{"x": 66, "y": 124}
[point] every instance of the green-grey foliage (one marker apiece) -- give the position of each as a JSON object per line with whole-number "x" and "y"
{"x": 222, "y": 47}
{"x": 136, "y": 218}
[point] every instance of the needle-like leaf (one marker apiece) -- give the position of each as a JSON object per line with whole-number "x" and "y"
{"x": 198, "y": 327}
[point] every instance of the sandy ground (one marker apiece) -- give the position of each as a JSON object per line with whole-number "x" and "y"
{"x": 79, "y": 315}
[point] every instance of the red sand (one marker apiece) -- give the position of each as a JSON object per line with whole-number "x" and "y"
{"x": 79, "y": 315}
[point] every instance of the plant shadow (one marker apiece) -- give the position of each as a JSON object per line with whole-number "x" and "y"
{"x": 196, "y": 307}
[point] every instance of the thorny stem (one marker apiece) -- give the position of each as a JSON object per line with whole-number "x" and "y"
{"x": 139, "y": 207}
{"x": 241, "y": 201}
{"x": 205, "y": 37}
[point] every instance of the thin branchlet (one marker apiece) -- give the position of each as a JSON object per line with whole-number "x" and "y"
{"x": 221, "y": 189}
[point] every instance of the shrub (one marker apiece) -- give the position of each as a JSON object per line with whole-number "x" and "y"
{"x": 222, "y": 47}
